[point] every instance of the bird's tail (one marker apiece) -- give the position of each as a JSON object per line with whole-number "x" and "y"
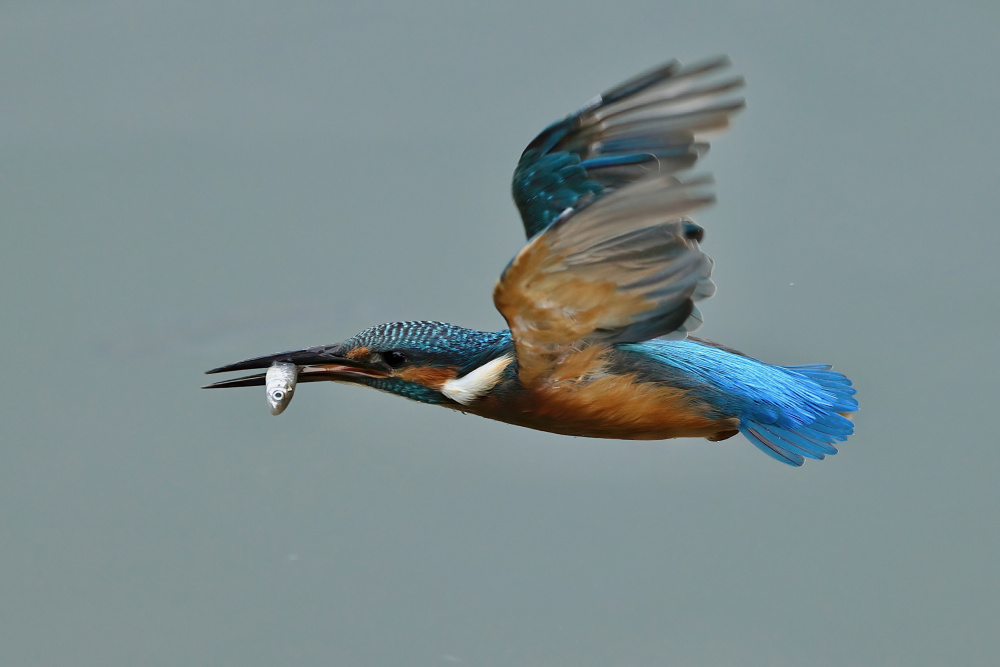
{"x": 812, "y": 432}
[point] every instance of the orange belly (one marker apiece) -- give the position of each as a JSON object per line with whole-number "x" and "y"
{"x": 608, "y": 407}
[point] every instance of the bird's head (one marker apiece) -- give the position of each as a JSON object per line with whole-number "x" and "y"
{"x": 431, "y": 362}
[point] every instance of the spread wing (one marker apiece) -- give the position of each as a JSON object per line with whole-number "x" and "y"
{"x": 612, "y": 256}
{"x": 625, "y": 268}
{"x": 652, "y": 124}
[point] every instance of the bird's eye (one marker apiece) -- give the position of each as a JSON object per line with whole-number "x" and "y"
{"x": 394, "y": 359}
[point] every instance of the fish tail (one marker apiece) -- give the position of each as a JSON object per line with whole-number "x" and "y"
{"x": 814, "y": 431}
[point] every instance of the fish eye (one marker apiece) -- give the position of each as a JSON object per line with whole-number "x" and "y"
{"x": 277, "y": 395}
{"x": 394, "y": 359}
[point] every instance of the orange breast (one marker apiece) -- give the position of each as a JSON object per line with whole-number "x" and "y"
{"x": 608, "y": 407}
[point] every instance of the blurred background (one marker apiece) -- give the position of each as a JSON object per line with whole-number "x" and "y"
{"x": 187, "y": 184}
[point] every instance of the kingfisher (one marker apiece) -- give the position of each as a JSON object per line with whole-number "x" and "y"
{"x": 600, "y": 302}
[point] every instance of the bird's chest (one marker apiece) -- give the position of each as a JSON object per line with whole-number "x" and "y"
{"x": 609, "y": 406}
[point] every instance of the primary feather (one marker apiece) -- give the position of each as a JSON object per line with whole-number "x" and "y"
{"x": 653, "y": 124}
{"x": 612, "y": 267}
{"x": 626, "y": 268}
{"x": 612, "y": 256}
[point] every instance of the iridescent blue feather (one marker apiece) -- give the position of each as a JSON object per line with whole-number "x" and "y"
{"x": 613, "y": 265}
{"x": 649, "y": 125}
{"x": 790, "y": 413}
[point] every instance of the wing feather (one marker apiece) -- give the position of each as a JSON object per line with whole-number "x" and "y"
{"x": 624, "y": 268}
{"x": 653, "y": 124}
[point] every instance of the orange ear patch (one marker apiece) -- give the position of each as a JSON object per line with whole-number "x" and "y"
{"x": 427, "y": 376}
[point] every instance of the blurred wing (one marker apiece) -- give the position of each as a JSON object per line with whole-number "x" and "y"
{"x": 623, "y": 268}
{"x": 652, "y": 124}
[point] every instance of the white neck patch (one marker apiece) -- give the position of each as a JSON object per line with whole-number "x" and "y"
{"x": 476, "y": 383}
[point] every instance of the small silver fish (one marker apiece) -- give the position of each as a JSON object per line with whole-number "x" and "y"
{"x": 280, "y": 385}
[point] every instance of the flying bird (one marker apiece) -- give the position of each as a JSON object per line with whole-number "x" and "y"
{"x": 600, "y": 302}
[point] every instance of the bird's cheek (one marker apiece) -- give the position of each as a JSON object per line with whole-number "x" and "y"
{"x": 427, "y": 376}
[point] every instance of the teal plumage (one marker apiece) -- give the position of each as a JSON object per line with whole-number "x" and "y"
{"x": 601, "y": 300}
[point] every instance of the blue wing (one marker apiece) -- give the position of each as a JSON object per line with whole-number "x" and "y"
{"x": 652, "y": 124}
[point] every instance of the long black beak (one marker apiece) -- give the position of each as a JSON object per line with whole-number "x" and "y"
{"x": 315, "y": 364}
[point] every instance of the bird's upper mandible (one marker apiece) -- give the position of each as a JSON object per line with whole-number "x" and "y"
{"x": 612, "y": 255}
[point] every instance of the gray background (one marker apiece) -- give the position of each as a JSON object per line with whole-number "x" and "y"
{"x": 189, "y": 184}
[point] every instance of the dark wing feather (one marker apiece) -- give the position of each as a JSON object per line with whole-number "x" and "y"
{"x": 652, "y": 124}
{"x": 624, "y": 268}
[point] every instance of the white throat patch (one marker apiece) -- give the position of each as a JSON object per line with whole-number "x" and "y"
{"x": 476, "y": 383}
